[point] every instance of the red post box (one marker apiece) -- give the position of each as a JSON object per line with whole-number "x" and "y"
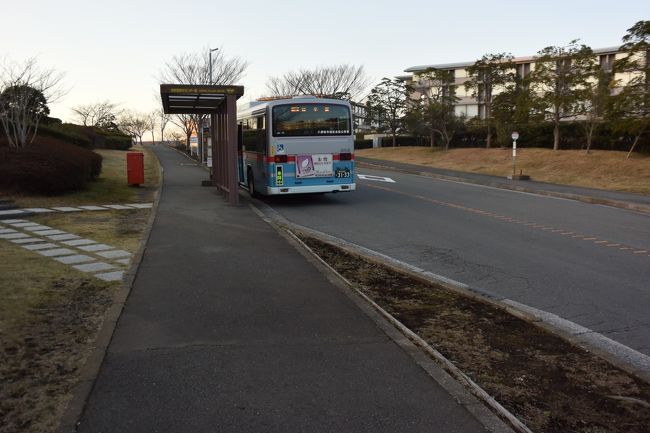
{"x": 135, "y": 168}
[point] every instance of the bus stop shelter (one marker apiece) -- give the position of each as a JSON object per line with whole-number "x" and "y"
{"x": 220, "y": 103}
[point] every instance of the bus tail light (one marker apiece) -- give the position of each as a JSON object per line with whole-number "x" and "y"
{"x": 345, "y": 156}
{"x": 280, "y": 159}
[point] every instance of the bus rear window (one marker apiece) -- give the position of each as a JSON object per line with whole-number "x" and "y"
{"x": 299, "y": 120}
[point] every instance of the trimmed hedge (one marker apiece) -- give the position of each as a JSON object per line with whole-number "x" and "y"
{"x": 538, "y": 135}
{"x": 362, "y": 144}
{"x": 48, "y": 167}
{"x": 65, "y": 132}
{"x": 86, "y": 136}
{"x": 117, "y": 142}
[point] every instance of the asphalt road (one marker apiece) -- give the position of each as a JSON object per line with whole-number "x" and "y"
{"x": 586, "y": 263}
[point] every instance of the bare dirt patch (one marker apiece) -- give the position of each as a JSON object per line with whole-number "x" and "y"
{"x": 546, "y": 382}
{"x": 601, "y": 169}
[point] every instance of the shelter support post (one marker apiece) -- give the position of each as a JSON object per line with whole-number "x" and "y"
{"x": 231, "y": 158}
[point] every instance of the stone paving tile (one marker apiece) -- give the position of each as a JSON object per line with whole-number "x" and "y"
{"x": 12, "y": 212}
{"x": 92, "y": 208}
{"x": 141, "y": 205}
{"x": 118, "y": 206}
{"x": 37, "y": 228}
{"x": 29, "y": 240}
{"x": 38, "y": 210}
{"x": 47, "y": 232}
{"x": 56, "y": 252}
{"x": 123, "y": 261}
{"x": 13, "y": 236}
{"x": 77, "y": 242}
{"x": 14, "y": 221}
{"x": 67, "y": 209}
{"x": 94, "y": 267}
{"x": 64, "y": 237}
{"x": 77, "y": 258}
{"x": 110, "y": 276}
{"x": 6, "y": 231}
{"x": 27, "y": 224}
{"x": 34, "y": 247}
{"x": 114, "y": 254}
{"x": 96, "y": 247}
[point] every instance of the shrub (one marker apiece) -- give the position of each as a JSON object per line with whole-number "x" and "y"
{"x": 67, "y": 132}
{"x": 86, "y": 136}
{"x": 118, "y": 142}
{"x": 48, "y": 167}
{"x": 362, "y": 144}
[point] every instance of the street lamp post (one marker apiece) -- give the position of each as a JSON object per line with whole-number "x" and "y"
{"x": 210, "y": 55}
{"x": 211, "y": 126}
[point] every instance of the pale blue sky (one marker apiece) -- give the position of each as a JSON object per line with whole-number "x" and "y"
{"x": 115, "y": 49}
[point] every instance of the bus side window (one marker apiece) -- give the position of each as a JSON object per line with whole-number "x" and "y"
{"x": 261, "y": 134}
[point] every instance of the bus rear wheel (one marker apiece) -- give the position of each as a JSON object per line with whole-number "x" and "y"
{"x": 251, "y": 184}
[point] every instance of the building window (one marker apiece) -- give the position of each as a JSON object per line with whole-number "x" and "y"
{"x": 523, "y": 69}
{"x": 607, "y": 62}
{"x": 466, "y": 111}
{"x": 460, "y": 73}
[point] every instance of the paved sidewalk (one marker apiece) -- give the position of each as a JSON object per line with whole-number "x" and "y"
{"x": 639, "y": 202}
{"x": 229, "y": 329}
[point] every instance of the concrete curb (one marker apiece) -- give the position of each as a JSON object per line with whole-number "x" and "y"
{"x": 487, "y": 411}
{"x": 577, "y": 197}
{"x": 617, "y": 354}
{"x": 90, "y": 370}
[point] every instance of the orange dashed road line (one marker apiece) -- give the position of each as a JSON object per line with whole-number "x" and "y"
{"x": 509, "y": 219}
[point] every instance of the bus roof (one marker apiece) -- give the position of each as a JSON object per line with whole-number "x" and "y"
{"x": 260, "y": 107}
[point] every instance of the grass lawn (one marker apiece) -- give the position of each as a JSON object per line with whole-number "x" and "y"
{"x": 600, "y": 169}
{"x": 110, "y": 187}
{"x": 50, "y": 313}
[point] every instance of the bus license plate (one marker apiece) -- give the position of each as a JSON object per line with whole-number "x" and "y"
{"x": 342, "y": 173}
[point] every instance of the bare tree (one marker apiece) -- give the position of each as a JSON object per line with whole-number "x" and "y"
{"x": 194, "y": 68}
{"x": 163, "y": 120}
{"x": 339, "y": 81}
{"x": 152, "y": 124}
{"x": 101, "y": 114}
{"x": 25, "y": 91}
{"x": 186, "y": 124}
{"x": 134, "y": 124}
{"x": 176, "y": 137}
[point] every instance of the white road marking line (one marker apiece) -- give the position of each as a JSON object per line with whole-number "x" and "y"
{"x": 375, "y": 178}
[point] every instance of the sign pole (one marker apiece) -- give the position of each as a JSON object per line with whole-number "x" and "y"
{"x": 515, "y": 136}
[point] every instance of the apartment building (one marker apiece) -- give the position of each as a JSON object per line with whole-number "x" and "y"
{"x": 469, "y": 106}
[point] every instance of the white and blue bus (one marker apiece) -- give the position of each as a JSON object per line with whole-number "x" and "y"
{"x": 299, "y": 145}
